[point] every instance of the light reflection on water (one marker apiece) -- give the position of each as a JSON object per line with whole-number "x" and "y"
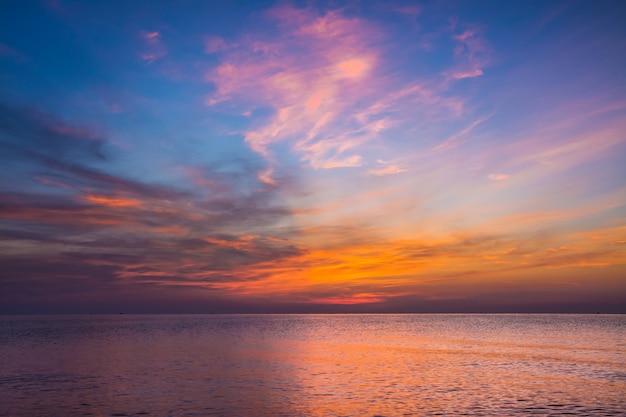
{"x": 313, "y": 365}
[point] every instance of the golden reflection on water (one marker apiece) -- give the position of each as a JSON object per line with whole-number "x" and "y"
{"x": 314, "y": 365}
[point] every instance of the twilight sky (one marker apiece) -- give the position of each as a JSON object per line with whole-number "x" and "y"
{"x": 332, "y": 156}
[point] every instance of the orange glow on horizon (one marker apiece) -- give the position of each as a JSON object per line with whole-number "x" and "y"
{"x": 354, "y": 299}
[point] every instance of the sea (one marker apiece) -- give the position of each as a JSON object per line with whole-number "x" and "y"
{"x": 313, "y": 365}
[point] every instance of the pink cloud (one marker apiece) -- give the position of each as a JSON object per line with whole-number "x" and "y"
{"x": 154, "y": 49}
{"x": 74, "y": 131}
{"x": 311, "y": 75}
{"x": 574, "y": 136}
{"x": 472, "y": 53}
{"x": 476, "y": 72}
{"x": 353, "y": 68}
{"x": 350, "y": 161}
{"x": 266, "y": 176}
{"x": 214, "y": 44}
{"x": 498, "y": 177}
{"x": 48, "y": 181}
{"x": 456, "y": 139}
{"x": 390, "y": 170}
{"x": 409, "y": 11}
{"x": 151, "y": 37}
{"x": 326, "y": 80}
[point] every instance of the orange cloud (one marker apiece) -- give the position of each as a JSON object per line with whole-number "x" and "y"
{"x": 351, "y": 299}
{"x": 112, "y": 201}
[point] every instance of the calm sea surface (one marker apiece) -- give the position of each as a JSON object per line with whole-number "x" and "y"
{"x": 313, "y": 365}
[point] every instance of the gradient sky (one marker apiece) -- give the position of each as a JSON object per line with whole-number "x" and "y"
{"x": 251, "y": 156}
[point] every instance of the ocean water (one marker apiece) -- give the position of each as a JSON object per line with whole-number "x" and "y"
{"x": 313, "y": 365}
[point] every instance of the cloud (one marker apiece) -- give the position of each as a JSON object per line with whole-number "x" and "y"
{"x": 476, "y": 72}
{"x": 214, "y": 44}
{"x": 409, "y": 11}
{"x": 472, "y": 54}
{"x": 332, "y": 94}
{"x": 390, "y": 170}
{"x": 154, "y": 49}
{"x": 350, "y": 161}
{"x": 152, "y": 38}
{"x": 456, "y": 139}
{"x": 392, "y": 202}
{"x": 498, "y": 177}
{"x": 82, "y": 223}
{"x": 311, "y": 74}
{"x": 29, "y": 132}
{"x": 471, "y": 264}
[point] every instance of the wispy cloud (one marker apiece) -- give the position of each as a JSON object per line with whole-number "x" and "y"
{"x": 389, "y": 170}
{"x": 497, "y": 177}
{"x": 154, "y": 48}
{"x": 410, "y": 11}
{"x": 456, "y": 139}
{"x": 348, "y": 154}
{"x": 472, "y": 54}
{"x": 323, "y": 75}
{"x": 311, "y": 74}
{"x": 214, "y": 44}
{"x": 90, "y": 222}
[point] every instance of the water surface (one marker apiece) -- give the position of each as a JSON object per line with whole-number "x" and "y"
{"x": 313, "y": 365}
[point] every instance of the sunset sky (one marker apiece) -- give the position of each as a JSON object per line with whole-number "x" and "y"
{"x": 358, "y": 156}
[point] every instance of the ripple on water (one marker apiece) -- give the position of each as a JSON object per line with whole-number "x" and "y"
{"x": 371, "y": 365}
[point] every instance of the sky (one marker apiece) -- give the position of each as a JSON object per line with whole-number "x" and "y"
{"x": 312, "y": 156}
